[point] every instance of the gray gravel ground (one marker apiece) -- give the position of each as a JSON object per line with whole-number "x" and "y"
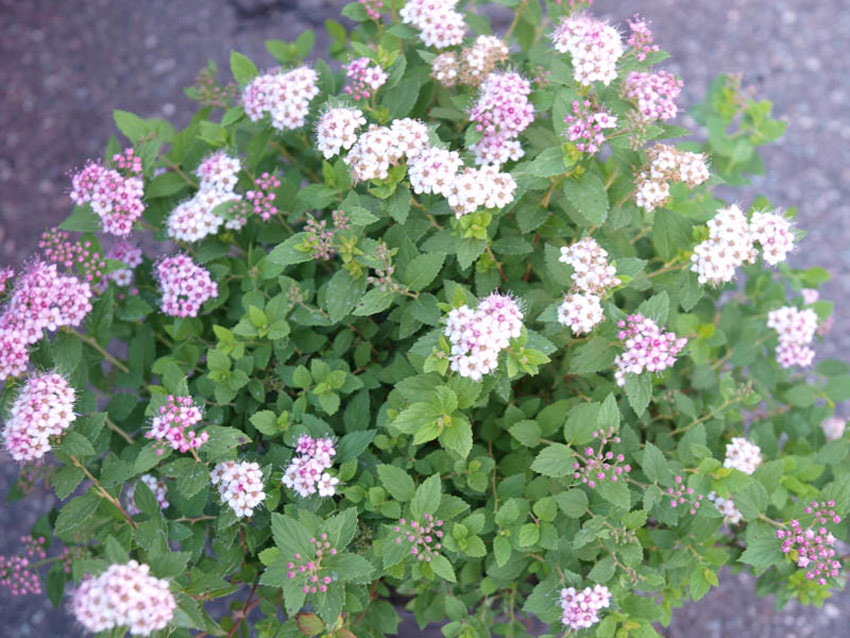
{"x": 66, "y": 64}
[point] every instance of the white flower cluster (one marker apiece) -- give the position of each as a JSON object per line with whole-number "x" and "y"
{"x": 796, "y": 329}
{"x": 477, "y": 61}
{"x": 439, "y": 25}
{"x": 433, "y": 171}
{"x": 475, "y": 188}
{"x": 194, "y": 219}
{"x": 124, "y": 596}
{"x": 833, "y": 428}
{"x": 667, "y": 164}
{"x": 381, "y": 147}
{"x": 595, "y": 47}
{"x": 731, "y": 514}
{"x": 307, "y": 473}
{"x": 732, "y": 239}
{"x": 240, "y": 485}
{"x": 157, "y": 487}
{"x": 284, "y": 96}
{"x": 445, "y": 68}
{"x": 337, "y": 129}
{"x": 581, "y": 608}
{"x": 742, "y": 455}
{"x": 478, "y": 336}
{"x": 581, "y": 310}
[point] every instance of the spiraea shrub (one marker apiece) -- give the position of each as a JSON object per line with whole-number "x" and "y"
{"x": 454, "y": 321}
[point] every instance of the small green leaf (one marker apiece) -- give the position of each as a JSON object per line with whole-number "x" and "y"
{"x": 242, "y": 68}
{"x": 555, "y": 460}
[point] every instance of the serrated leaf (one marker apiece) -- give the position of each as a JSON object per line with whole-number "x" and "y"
{"x": 588, "y": 196}
{"x": 554, "y": 460}
{"x": 397, "y": 482}
{"x": 427, "y": 497}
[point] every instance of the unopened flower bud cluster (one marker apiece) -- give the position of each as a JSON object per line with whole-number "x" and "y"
{"x": 308, "y": 473}
{"x": 640, "y": 40}
{"x": 42, "y": 411}
{"x": 581, "y": 608}
{"x": 814, "y": 546}
{"x": 596, "y": 466}
{"x": 424, "y": 536}
{"x": 681, "y": 495}
{"x": 796, "y": 329}
{"x": 124, "y": 596}
{"x": 60, "y": 248}
{"x": 240, "y": 485}
{"x": 310, "y": 567}
{"x": 478, "y": 336}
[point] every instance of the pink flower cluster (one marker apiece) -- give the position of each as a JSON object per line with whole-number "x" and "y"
{"x": 654, "y": 93}
{"x": 423, "y": 537}
{"x": 124, "y": 596}
{"x": 594, "y": 45}
{"x": 833, "y": 428}
{"x": 284, "y": 96}
{"x": 667, "y": 164}
{"x": 478, "y": 336}
{"x": 363, "y": 78}
{"x": 581, "y": 608}
{"x": 57, "y": 247}
{"x": 128, "y": 253}
{"x": 679, "y": 495}
{"x": 240, "y": 485}
{"x": 195, "y": 218}
{"x": 307, "y": 473}
{"x": 372, "y": 7}
{"x": 596, "y": 466}
{"x": 175, "y": 424}
{"x": 18, "y": 576}
{"x": 580, "y": 312}
{"x": 41, "y": 413}
{"x": 438, "y": 23}
{"x": 501, "y": 112}
{"x": 185, "y": 286}
{"x": 6, "y": 274}
{"x": 157, "y": 487}
{"x": 434, "y": 170}
{"x": 648, "y": 347}
{"x": 731, "y": 514}
{"x": 337, "y": 130}
{"x": 262, "y": 196}
{"x": 813, "y": 548}
{"x": 742, "y": 455}
{"x": 585, "y": 126}
{"x": 591, "y": 271}
{"x": 640, "y": 39}
{"x": 796, "y": 329}
{"x": 810, "y": 295}
{"x": 310, "y": 568}
{"x": 116, "y": 198}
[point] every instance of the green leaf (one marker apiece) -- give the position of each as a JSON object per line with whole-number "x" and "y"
{"x": 615, "y": 493}
{"x": 501, "y": 550}
{"x": 397, "y": 482}
{"x": 75, "y": 514}
{"x": 573, "y": 502}
{"x": 242, "y": 68}
{"x": 373, "y": 302}
{"x": 593, "y": 356}
{"x": 588, "y": 196}
{"x": 670, "y": 233}
{"x": 527, "y": 432}
{"x": 83, "y": 220}
{"x": 354, "y": 444}
{"x": 555, "y": 460}
{"x": 443, "y": 568}
{"x": 529, "y": 534}
{"x": 639, "y": 391}
{"x": 266, "y": 422}
{"x": 653, "y": 463}
{"x": 351, "y": 568}
{"x": 130, "y": 124}
{"x": 427, "y": 497}
{"x": 656, "y": 308}
{"x": 457, "y": 436}
{"x": 603, "y": 570}
{"x": 288, "y": 253}
{"x": 422, "y": 270}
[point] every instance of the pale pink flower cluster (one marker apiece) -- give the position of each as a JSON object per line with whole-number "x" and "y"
{"x": 648, "y": 347}
{"x": 773, "y": 232}
{"x": 585, "y": 126}
{"x": 445, "y": 68}
{"x": 310, "y": 567}
{"x": 596, "y": 466}
{"x": 381, "y": 147}
{"x": 474, "y": 64}
{"x": 194, "y": 219}
{"x": 307, "y": 473}
{"x": 42, "y": 300}
{"x": 679, "y": 495}
{"x": 410, "y": 137}
{"x": 813, "y": 546}
{"x": 640, "y": 39}
{"x": 667, "y": 164}
{"x": 796, "y": 329}
{"x": 478, "y": 336}
{"x": 424, "y": 537}
{"x": 58, "y": 247}
{"x": 742, "y": 455}
{"x": 185, "y": 286}
{"x": 124, "y": 596}
{"x": 337, "y": 129}
{"x": 240, "y": 485}
{"x": 128, "y": 253}
{"x": 501, "y": 112}
{"x": 654, "y": 93}
{"x": 591, "y": 271}
{"x": 439, "y": 25}
{"x": 484, "y": 187}
{"x": 833, "y": 428}
{"x": 175, "y": 424}
{"x": 810, "y": 295}
{"x": 284, "y": 96}
{"x": 363, "y": 78}
{"x": 433, "y": 171}
{"x": 580, "y": 312}
{"x": 581, "y": 608}
{"x": 41, "y": 413}
{"x": 115, "y": 198}
{"x": 594, "y": 45}
{"x": 728, "y": 246}
{"x": 731, "y": 514}
{"x": 158, "y": 489}
{"x": 262, "y": 196}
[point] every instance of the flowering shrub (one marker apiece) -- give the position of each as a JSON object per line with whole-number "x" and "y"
{"x": 448, "y": 323}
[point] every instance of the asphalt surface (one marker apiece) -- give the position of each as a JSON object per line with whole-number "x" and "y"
{"x": 66, "y": 64}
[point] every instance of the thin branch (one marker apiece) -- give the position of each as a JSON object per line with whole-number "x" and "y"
{"x": 102, "y": 491}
